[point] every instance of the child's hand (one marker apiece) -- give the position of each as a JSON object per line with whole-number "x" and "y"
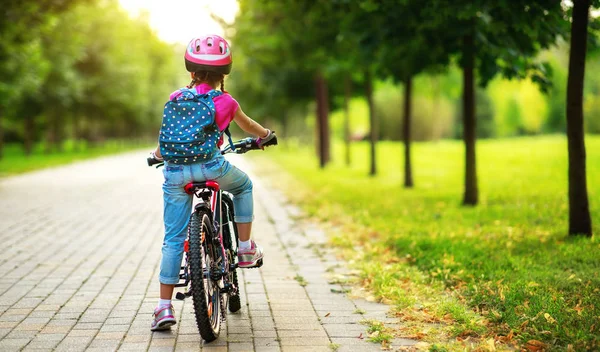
{"x": 269, "y": 139}
{"x": 156, "y": 156}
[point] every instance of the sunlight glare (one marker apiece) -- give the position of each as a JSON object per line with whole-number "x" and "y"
{"x": 177, "y": 21}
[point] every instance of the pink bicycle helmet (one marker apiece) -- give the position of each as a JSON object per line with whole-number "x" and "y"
{"x": 209, "y": 53}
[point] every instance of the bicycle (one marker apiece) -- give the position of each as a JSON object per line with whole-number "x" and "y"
{"x": 210, "y": 251}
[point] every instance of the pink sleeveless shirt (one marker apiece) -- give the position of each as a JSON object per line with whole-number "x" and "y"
{"x": 225, "y": 105}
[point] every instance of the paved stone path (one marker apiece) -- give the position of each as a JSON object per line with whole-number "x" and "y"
{"x": 80, "y": 253}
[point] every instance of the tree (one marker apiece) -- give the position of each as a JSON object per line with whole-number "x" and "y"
{"x": 67, "y": 70}
{"x": 407, "y": 48}
{"x": 22, "y": 24}
{"x": 282, "y": 48}
{"x": 579, "y": 213}
{"x": 492, "y": 37}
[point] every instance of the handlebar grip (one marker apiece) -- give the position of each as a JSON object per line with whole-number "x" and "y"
{"x": 151, "y": 161}
{"x": 273, "y": 141}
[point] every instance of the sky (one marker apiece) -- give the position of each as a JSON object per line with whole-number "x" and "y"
{"x": 178, "y": 21}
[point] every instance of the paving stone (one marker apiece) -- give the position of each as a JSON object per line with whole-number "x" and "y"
{"x": 214, "y": 348}
{"x": 4, "y": 332}
{"x": 189, "y": 338}
{"x": 87, "y": 326}
{"x": 315, "y": 348}
{"x": 162, "y": 342}
{"x": 81, "y": 333}
{"x": 133, "y": 346}
{"x": 110, "y": 335}
{"x": 239, "y": 338}
{"x": 300, "y": 320}
{"x": 107, "y": 345}
{"x": 107, "y": 328}
{"x": 259, "y": 348}
{"x": 161, "y": 349}
{"x": 187, "y": 347}
{"x": 45, "y": 345}
{"x": 302, "y": 333}
{"x": 300, "y": 341}
{"x": 8, "y": 324}
{"x": 13, "y": 344}
{"x": 239, "y": 347}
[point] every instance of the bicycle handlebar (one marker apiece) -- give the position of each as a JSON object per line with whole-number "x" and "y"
{"x": 241, "y": 147}
{"x": 152, "y": 161}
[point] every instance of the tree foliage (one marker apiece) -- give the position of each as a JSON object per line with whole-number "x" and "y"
{"x": 81, "y": 70}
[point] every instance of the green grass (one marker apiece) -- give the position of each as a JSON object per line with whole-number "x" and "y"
{"x": 377, "y": 332}
{"x": 14, "y": 160}
{"x": 301, "y": 280}
{"x": 509, "y": 259}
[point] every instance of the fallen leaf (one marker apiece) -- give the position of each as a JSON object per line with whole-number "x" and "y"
{"x": 491, "y": 344}
{"x": 360, "y": 336}
{"x": 328, "y": 314}
{"x": 549, "y": 318}
{"x": 535, "y": 345}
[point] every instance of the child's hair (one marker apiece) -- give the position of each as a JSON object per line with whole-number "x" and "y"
{"x": 208, "y": 77}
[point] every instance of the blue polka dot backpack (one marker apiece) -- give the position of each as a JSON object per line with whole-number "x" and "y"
{"x": 189, "y": 132}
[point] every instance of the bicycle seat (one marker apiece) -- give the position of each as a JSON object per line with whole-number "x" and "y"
{"x": 193, "y": 187}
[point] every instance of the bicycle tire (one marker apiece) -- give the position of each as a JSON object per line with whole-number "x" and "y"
{"x": 230, "y": 239}
{"x": 206, "y": 294}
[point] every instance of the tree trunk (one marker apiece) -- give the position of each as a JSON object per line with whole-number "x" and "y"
{"x": 372, "y": 121}
{"x": 1, "y": 135}
{"x": 347, "y": 95}
{"x": 579, "y": 212}
{"x": 28, "y": 133}
{"x": 406, "y": 125}
{"x": 284, "y": 123}
{"x": 469, "y": 121}
{"x": 50, "y": 134}
{"x": 58, "y": 132}
{"x": 322, "y": 119}
{"x": 76, "y": 129}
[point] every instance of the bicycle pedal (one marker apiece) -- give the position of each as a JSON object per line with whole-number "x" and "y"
{"x": 258, "y": 264}
{"x": 183, "y": 295}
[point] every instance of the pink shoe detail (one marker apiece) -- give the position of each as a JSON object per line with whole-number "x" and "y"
{"x": 164, "y": 318}
{"x": 248, "y": 258}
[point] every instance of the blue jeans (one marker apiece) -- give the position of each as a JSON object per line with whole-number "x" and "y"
{"x": 178, "y": 205}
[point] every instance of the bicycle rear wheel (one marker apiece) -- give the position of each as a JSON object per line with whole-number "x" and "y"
{"x": 206, "y": 294}
{"x": 230, "y": 240}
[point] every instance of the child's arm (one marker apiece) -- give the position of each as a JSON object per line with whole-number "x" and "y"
{"x": 156, "y": 153}
{"x": 248, "y": 125}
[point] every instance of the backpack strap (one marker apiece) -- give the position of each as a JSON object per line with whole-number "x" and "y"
{"x": 213, "y": 93}
{"x": 226, "y": 131}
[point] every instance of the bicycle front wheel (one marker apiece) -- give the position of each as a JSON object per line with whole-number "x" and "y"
{"x": 206, "y": 294}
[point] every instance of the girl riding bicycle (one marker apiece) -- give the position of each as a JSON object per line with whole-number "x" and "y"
{"x": 208, "y": 59}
